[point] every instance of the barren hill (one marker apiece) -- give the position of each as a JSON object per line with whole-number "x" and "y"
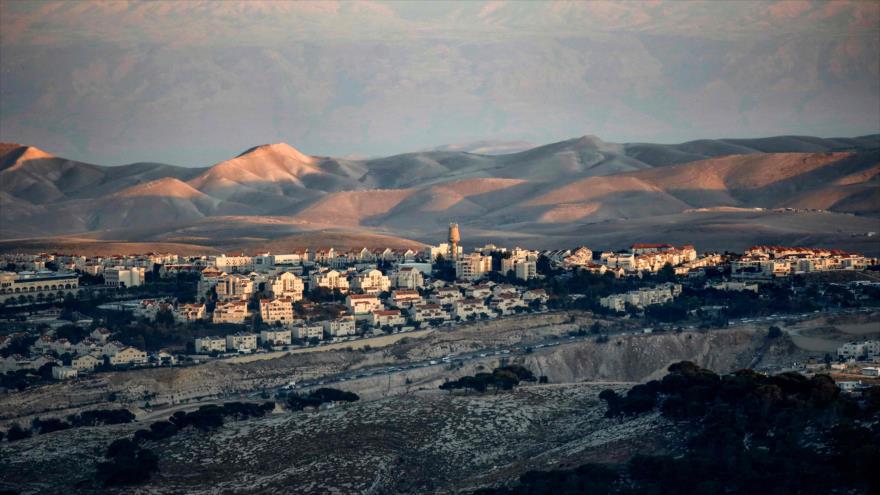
{"x": 559, "y": 189}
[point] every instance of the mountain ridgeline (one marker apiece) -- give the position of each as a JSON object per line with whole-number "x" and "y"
{"x": 547, "y": 193}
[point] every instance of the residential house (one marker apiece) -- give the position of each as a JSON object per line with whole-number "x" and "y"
{"x": 234, "y": 287}
{"x": 404, "y": 298}
{"x": 87, "y": 362}
{"x": 242, "y": 342}
{"x": 506, "y": 303}
{"x": 427, "y": 312}
{"x": 207, "y": 345}
{"x": 469, "y": 308}
{"x": 230, "y": 312}
{"x": 127, "y": 356}
{"x": 278, "y": 310}
{"x": 371, "y": 282}
{"x": 100, "y": 334}
{"x": 307, "y": 332}
{"x": 330, "y": 280}
{"x": 189, "y": 313}
{"x": 387, "y": 318}
{"x": 288, "y": 285}
{"x": 472, "y": 266}
{"x": 362, "y": 304}
{"x": 275, "y": 337}
{"x": 408, "y": 277}
{"x": 445, "y": 295}
{"x": 120, "y": 276}
{"x": 340, "y": 327}
{"x": 64, "y": 372}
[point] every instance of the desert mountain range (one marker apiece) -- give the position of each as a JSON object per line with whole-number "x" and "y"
{"x": 722, "y": 194}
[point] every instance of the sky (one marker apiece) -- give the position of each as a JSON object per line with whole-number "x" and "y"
{"x": 193, "y": 83}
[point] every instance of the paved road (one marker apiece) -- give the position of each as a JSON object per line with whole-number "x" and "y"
{"x": 496, "y": 352}
{"x": 535, "y": 346}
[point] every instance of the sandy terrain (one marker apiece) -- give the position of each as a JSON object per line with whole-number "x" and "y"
{"x": 827, "y": 334}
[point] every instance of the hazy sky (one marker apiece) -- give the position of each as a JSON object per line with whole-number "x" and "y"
{"x": 193, "y": 83}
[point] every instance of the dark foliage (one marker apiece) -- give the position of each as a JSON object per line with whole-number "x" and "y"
{"x": 101, "y": 417}
{"x": 503, "y": 378}
{"x": 19, "y": 344}
{"x": 43, "y": 426}
{"x": 127, "y": 464}
{"x": 320, "y": 396}
{"x": 749, "y": 433}
{"x": 16, "y": 433}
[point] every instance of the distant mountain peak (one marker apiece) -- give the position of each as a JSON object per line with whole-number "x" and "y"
{"x": 164, "y": 187}
{"x": 279, "y": 149}
{"x": 14, "y": 155}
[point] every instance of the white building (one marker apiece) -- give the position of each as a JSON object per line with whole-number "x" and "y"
{"x": 581, "y": 256}
{"x": 241, "y": 264}
{"x": 506, "y": 303}
{"x": 307, "y": 332}
{"x": 433, "y": 252}
{"x": 642, "y": 297}
{"x": 188, "y": 313}
{"x": 330, "y": 280}
{"x": 469, "y": 308}
{"x": 128, "y": 355}
{"x": 362, "y": 304}
{"x": 86, "y": 362}
{"x": 341, "y": 327}
{"x": 119, "y": 276}
{"x": 230, "y": 312}
{"x": 853, "y": 350}
{"x": 234, "y": 287}
{"x": 735, "y": 286}
{"x": 371, "y": 282}
{"x": 427, "y": 312}
{"x": 404, "y": 298}
{"x": 387, "y": 318}
{"x": 870, "y": 371}
{"x": 64, "y": 372}
{"x": 242, "y": 342}
{"x": 472, "y": 266}
{"x": 15, "y": 285}
{"x": 207, "y": 345}
{"x": 445, "y": 295}
{"x": 275, "y": 337}
{"x": 278, "y": 310}
{"x": 535, "y": 295}
{"x": 525, "y": 270}
{"x": 288, "y": 285}
{"x": 408, "y": 277}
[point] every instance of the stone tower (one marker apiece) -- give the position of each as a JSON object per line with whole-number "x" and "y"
{"x": 454, "y": 239}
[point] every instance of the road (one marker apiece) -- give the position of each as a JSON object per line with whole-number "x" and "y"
{"x": 461, "y": 358}
{"x": 501, "y": 352}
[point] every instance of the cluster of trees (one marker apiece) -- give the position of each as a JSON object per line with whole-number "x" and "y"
{"x": 86, "y": 418}
{"x": 502, "y": 378}
{"x": 129, "y": 461}
{"x": 27, "y": 377}
{"x": 746, "y": 433}
{"x": 18, "y": 344}
{"x": 320, "y": 396}
{"x": 211, "y": 416}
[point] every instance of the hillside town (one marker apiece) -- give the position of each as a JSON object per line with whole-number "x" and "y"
{"x": 242, "y": 304}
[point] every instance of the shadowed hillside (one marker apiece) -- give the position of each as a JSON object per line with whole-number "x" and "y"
{"x": 558, "y": 189}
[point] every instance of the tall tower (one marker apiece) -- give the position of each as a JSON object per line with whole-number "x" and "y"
{"x": 454, "y": 239}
